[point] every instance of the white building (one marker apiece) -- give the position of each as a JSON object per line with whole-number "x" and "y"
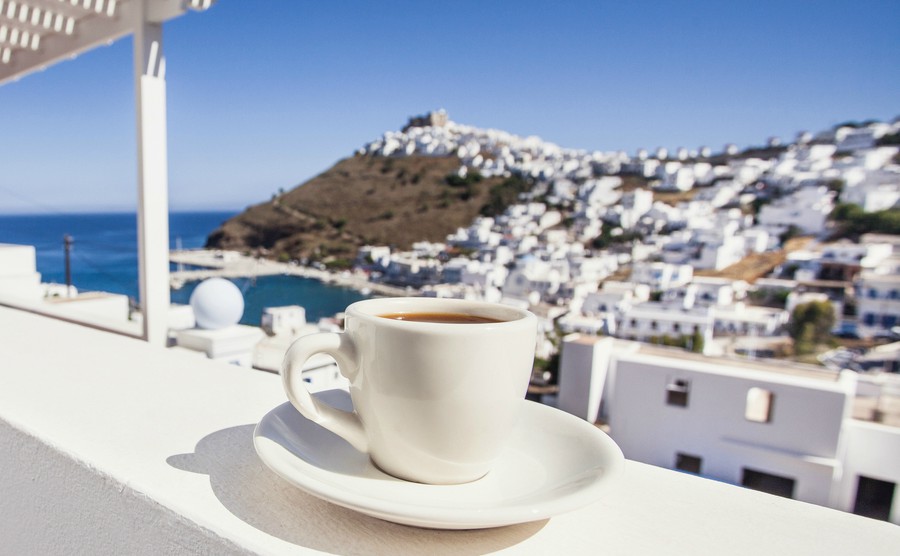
{"x": 807, "y": 209}
{"x": 878, "y": 303}
{"x": 791, "y": 430}
{"x": 764, "y": 430}
{"x": 289, "y": 319}
{"x": 584, "y": 362}
{"x": 706, "y": 290}
{"x": 379, "y": 255}
{"x": 875, "y": 190}
{"x": 654, "y": 322}
{"x": 19, "y": 277}
{"x": 661, "y": 276}
{"x": 534, "y": 279}
{"x": 408, "y": 269}
{"x": 748, "y": 320}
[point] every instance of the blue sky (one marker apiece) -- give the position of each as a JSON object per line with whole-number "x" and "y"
{"x": 265, "y": 94}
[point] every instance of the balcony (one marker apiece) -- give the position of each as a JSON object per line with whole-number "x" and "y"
{"x": 113, "y": 445}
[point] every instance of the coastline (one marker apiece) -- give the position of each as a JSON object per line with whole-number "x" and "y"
{"x": 232, "y": 264}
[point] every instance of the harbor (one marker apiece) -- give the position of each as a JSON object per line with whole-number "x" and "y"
{"x": 193, "y": 265}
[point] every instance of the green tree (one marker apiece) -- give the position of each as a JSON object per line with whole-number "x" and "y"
{"x": 505, "y": 194}
{"x": 811, "y": 325}
{"x": 851, "y": 221}
{"x": 697, "y": 342}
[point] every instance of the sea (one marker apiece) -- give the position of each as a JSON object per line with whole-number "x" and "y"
{"x": 103, "y": 257}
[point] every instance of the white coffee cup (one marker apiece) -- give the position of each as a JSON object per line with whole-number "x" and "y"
{"x": 433, "y": 401}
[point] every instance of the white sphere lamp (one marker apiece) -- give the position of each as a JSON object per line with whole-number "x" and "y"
{"x": 217, "y": 304}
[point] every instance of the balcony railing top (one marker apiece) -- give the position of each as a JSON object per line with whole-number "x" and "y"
{"x": 129, "y": 447}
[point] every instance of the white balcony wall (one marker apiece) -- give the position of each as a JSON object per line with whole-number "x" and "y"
{"x": 800, "y": 440}
{"x": 114, "y": 446}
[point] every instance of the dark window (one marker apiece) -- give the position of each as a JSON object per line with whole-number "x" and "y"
{"x": 869, "y": 319}
{"x": 677, "y": 392}
{"x": 888, "y": 321}
{"x": 652, "y": 325}
{"x": 766, "y": 482}
{"x": 874, "y": 498}
{"x": 894, "y": 294}
{"x": 873, "y": 294}
{"x": 689, "y": 463}
{"x": 676, "y": 327}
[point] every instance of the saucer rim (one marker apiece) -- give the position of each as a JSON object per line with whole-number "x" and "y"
{"x": 438, "y": 516}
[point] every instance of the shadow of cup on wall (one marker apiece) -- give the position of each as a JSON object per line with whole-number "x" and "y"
{"x": 259, "y": 497}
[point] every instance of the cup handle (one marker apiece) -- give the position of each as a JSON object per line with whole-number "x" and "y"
{"x": 342, "y": 423}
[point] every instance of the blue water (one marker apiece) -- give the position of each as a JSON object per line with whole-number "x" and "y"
{"x": 104, "y": 258}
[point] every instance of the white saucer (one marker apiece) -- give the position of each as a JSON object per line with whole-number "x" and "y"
{"x": 553, "y": 463}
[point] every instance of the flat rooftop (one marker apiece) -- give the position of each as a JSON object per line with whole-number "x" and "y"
{"x": 777, "y": 366}
{"x": 882, "y": 408}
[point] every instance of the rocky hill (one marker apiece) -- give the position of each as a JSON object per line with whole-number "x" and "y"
{"x": 366, "y": 199}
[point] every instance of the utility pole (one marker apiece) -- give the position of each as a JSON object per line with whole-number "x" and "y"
{"x": 67, "y": 243}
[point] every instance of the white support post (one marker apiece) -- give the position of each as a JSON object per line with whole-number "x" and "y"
{"x": 153, "y": 195}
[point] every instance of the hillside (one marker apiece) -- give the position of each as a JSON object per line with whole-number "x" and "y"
{"x": 361, "y": 200}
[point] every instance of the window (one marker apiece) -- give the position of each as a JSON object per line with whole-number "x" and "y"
{"x": 874, "y": 498}
{"x": 894, "y": 294}
{"x": 888, "y": 321}
{"x": 653, "y": 325}
{"x": 766, "y": 482}
{"x": 869, "y": 319}
{"x": 676, "y": 327}
{"x": 873, "y": 294}
{"x": 688, "y": 463}
{"x": 759, "y": 405}
{"x": 677, "y": 392}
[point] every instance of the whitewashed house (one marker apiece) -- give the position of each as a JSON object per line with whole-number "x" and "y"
{"x": 411, "y": 270}
{"x": 478, "y": 235}
{"x": 863, "y": 137}
{"x": 675, "y": 176}
{"x": 747, "y": 320}
{"x": 534, "y": 280}
{"x": 652, "y": 321}
{"x": 661, "y": 276}
{"x": 704, "y": 291}
{"x": 476, "y": 274}
{"x": 878, "y": 301}
{"x": 592, "y": 269}
{"x": 722, "y": 253}
{"x": 602, "y": 191}
{"x": 377, "y": 255}
{"x": 807, "y": 209}
{"x": 877, "y": 190}
{"x": 632, "y": 206}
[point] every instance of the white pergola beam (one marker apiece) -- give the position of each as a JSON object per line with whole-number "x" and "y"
{"x": 153, "y": 180}
{"x": 91, "y": 31}
{"x": 85, "y": 24}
